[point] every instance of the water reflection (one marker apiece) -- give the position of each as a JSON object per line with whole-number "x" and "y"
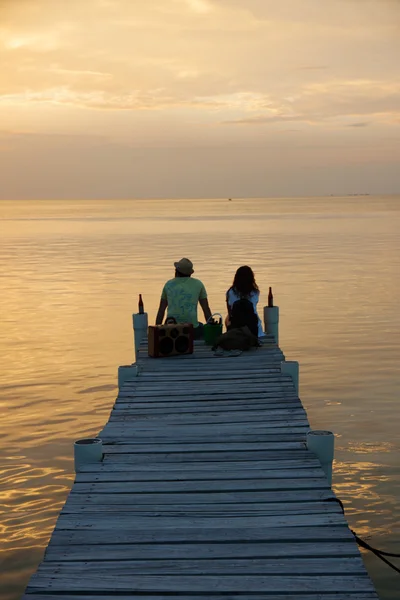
{"x": 70, "y": 274}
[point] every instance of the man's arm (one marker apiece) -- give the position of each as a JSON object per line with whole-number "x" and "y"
{"x": 206, "y": 308}
{"x": 161, "y": 311}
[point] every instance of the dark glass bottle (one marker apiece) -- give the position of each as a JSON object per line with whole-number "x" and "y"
{"x": 141, "y": 306}
{"x": 270, "y": 298}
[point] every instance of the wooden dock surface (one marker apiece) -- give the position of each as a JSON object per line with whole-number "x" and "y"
{"x": 206, "y": 491}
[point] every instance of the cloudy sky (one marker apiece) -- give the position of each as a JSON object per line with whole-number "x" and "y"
{"x": 199, "y": 98}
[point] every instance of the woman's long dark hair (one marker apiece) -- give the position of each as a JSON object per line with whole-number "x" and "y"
{"x": 244, "y": 282}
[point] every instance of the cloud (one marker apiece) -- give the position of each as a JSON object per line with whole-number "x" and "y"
{"x": 313, "y": 68}
{"x": 199, "y": 6}
{"x": 333, "y": 100}
{"x": 359, "y": 124}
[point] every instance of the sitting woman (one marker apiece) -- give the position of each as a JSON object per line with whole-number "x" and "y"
{"x": 244, "y": 287}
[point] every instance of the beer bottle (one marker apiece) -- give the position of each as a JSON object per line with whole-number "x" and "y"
{"x": 141, "y": 306}
{"x": 270, "y": 298}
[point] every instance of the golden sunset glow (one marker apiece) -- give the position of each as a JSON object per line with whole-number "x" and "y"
{"x": 214, "y": 97}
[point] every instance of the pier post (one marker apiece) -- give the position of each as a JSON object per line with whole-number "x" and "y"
{"x": 140, "y": 325}
{"x": 271, "y": 321}
{"x": 291, "y": 368}
{"x": 126, "y": 373}
{"x": 87, "y": 451}
{"x": 322, "y": 444}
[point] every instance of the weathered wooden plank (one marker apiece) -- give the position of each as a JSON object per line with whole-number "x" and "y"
{"x": 208, "y": 388}
{"x": 231, "y": 391}
{"x": 179, "y": 596}
{"x": 123, "y": 520}
{"x": 214, "y": 447}
{"x": 157, "y": 437}
{"x": 268, "y": 418}
{"x": 271, "y": 365}
{"x": 224, "y": 485}
{"x": 177, "y": 434}
{"x": 146, "y": 440}
{"x": 176, "y": 385}
{"x": 192, "y": 426}
{"x": 202, "y": 583}
{"x": 211, "y": 392}
{"x": 277, "y": 411}
{"x": 246, "y": 372}
{"x": 208, "y": 405}
{"x": 267, "y": 355}
{"x": 177, "y": 431}
{"x": 203, "y": 399}
{"x": 212, "y": 382}
{"x": 233, "y": 566}
{"x": 267, "y": 386}
{"x": 200, "y": 551}
{"x": 139, "y": 388}
{"x": 207, "y": 376}
{"x": 112, "y": 476}
{"x": 263, "y": 418}
{"x": 191, "y": 458}
{"x": 270, "y": 371}
{"x": 223, "y": 404}
{"x": 245, "y": 509}
{"x": 308, "y": 462}
{"x": 63, "y": 537}
{"x": 271, "y": 380}
{"x": 271, "y": 356}
{"x": 267, "y": 360}
{"x": 225, "y": 408}
{"x": 151, "y": 440}
{"x": 148, "y": 443}
{"x": 306, "y": 495}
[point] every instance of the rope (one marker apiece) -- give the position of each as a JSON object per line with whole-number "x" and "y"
{"x": 379, "y": 553}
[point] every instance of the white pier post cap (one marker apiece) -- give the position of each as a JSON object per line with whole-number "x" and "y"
{"x": 322, "y": 444}
{"x": 271, "y": 321}
{"x": 140, "y": 320}
{"x": 292, "y": 369}
{"x": 87, "y": 451}
{"x": 126, "y": 373}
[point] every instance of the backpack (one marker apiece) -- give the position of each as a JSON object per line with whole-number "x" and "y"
{"x": 239, "y": 338}
{"x": 242, "y": 314}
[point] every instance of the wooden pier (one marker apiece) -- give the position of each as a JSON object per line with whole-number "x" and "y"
{"x": 206, "y": 491}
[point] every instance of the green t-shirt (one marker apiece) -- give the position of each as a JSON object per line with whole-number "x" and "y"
{"x": 182, "y": 295}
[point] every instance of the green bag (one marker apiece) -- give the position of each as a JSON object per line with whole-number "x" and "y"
{"x": 212, "y": 329}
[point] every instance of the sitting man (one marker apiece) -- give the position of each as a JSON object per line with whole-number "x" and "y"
{"x": 181, "y": 296}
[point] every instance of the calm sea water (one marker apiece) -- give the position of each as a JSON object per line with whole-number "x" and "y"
{"x": 70, "y": 276}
